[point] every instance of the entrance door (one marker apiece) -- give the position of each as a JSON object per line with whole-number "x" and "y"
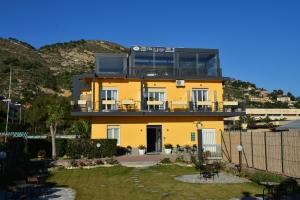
{"x": 209, "y": 140}
{"x": 154, "y": 143}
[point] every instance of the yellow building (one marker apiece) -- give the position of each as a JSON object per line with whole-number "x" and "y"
{"x": 154, "y": 96}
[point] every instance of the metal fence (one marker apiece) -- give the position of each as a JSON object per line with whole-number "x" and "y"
{"x": 270, "y": 151}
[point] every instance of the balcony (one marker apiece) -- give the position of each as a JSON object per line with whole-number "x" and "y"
{"x": 129, "y": 107}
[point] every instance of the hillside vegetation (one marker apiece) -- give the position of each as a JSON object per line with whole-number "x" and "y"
{"x": 48, "y": 69}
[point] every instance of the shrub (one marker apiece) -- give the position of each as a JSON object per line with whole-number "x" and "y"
{"x": 73, "y": 163}
{"x": 35, "y": 145}
{"x": 121, "y": 151}
{"x": 168, "y": 146}
{"x": 61, "y": 146}
{"x": 165, "y": 161}
{"x": 179, "y": 159}
{"x": 111, "y": 161}
{"x": 108, "y": 147}
{"x": 99, "y": 162}
{"x": 141, "y": 147}
{"x": 41, "y": 154}
{"x": 187, "y": 148}
{"x": 260, "y": 176}
{"x": 88, "y": 148}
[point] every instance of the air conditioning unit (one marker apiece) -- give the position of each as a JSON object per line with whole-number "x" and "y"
{"x": 179, "y": 83}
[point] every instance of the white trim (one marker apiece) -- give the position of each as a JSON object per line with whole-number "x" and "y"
{"x": 114, "y": 127}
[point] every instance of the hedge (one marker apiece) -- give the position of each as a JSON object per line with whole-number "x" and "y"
{"x": 35, "y": 145}
{"x": 88, "y": 148}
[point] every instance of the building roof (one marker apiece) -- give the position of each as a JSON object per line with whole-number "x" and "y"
{"x": 292, "y": 125}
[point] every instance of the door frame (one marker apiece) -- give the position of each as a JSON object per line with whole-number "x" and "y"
{"x": 158, "y": 149}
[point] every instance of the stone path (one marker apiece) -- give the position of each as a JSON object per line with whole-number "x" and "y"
{"x": 222, "y": 178}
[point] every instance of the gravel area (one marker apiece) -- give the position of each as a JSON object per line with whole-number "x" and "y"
{"x": 222, "y": 178}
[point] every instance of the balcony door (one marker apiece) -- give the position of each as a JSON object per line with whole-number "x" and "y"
{"x": 200, "y": 99}
{"x": 156, "y": 99}
{"x": 109, "y": 99}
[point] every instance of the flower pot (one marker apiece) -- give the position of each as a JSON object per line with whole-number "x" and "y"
{"x": 244, "y": 126}
{"x": 142, "y": 151}
{"x": 168, "y": 151}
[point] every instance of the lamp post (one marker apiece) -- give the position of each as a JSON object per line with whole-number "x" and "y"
{"x": 20, "y": 111}
{"x": 98, "y": 145}
{"x": 200, "y": 142}
{"x": 240, "y": 150}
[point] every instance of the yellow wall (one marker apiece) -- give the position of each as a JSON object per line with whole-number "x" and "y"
{"x": 175, "y": 130}
{"x": 131, "y": 89}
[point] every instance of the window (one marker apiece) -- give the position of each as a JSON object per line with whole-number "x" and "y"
{"x": 156, "y": 99}
{"x": 200, "y": 99}
{"x": 199, "y": 95}
{"x": 111, "y": 64}
{"x": 113, "y": 132}
{"x": 109, "y": 99}
{"x": 187, "y": 64}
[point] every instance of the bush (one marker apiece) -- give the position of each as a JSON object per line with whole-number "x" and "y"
{"x": 121, "y": 151}
{"x": 180, "y": 159}
{"x": 61, "y": 145}
{"x": 41, "y": 154}
{"x": 141, "y": 147}
{"x": 16, "y": 162}
{"x": 111, "y": 161}
{"x": 35, "y": 145}
{"x": 108, "y": 147}
{"x": 88, "y": 148}
{"x": 168, "y": 146}
{"x": 260, "y": 176}
{"x": 165, "y": 161}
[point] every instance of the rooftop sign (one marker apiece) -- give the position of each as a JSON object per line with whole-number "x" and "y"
{"x": 153, "y": 49}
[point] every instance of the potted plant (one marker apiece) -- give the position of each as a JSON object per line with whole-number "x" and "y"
{"x": 142, "y": 149}
{"x": 168, "y": 148}
{"x": 187, "y": 148}
{"x": 128, "y": 149}
{"x": 41, "y": 154}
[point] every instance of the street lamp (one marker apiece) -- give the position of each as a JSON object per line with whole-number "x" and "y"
{"x": 240, "y": 150}
{"x": 20, "y": 118}
{"x": 200, "y": 142}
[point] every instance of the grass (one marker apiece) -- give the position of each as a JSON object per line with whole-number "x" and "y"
{"x": 118, "y": 183}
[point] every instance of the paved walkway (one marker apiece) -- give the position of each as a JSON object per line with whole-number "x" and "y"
{"x": 141, "y": 160}
{"x": 222, "y": 178}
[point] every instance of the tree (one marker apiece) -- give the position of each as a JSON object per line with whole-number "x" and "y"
{"x": 292, "y": 97}
{"x": 56, "y": 113}
{"x": 82, "y": 127}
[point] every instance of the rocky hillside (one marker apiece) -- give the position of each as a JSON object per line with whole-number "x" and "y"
{"x": 48, "y": 69}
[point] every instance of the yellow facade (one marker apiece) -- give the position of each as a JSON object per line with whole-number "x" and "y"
{"x": 175, "y": 129}
{"x": 131, "y": 89}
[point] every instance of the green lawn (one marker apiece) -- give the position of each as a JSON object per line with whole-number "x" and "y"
{"x": 154, "y": 183}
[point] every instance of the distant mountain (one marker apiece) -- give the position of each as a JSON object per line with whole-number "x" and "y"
{"x": 48, "y": 69}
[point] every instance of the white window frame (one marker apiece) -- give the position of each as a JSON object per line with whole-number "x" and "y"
{"x": 159, "y": 91}
{"x": 114, "y": 127}
{"x": 113, "y": 107}
{"x": 200, "y": 90}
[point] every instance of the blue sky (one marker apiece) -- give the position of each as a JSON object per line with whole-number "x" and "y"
{"x": 259, "y": 41}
